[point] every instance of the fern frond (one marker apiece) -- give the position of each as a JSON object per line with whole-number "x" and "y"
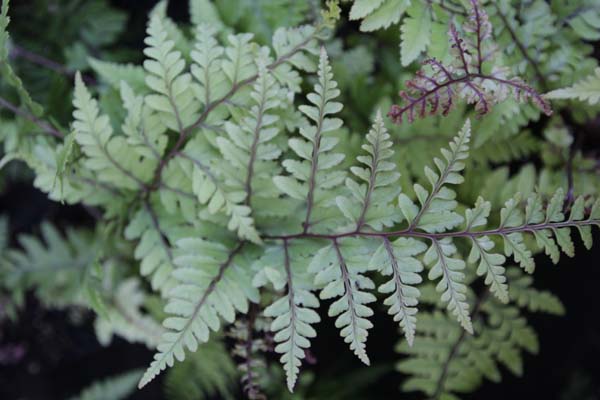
{"x": 238, "y": 64}
{"x": 585, "y": 19}
{"x": 213, "y": 193}
{"x": 223, "y": 76}
{"x": 248, "y": 349}
{"x": 434, "y": 221}
{"x": 213, "y": 206}
{"x": 287, "y": 43}
{"x": 503, "y": 151}
{"x": 507, "y": 120}
{"x": 490, "y": 265}
{"x": 124, "y": 317}
{"x": 343, "y": 276}
{"x": 312, "y": 178}
{"x": 76, "y": 184}
{"x": 209, "y": 287}
{"x": 465, "y": 78}
{"x": 221, "y": 72}
{"x": 173, "y": 31}
{"x": 54, "y": 265}
{"x": 545, "y": 225}
{"x": 431, "y": 356}
{"x": 578, "y": 213}
{"x": 512, "y": 334}
{"x": 444, "y": 360}
{"x": 587, "y": 89}
{"x": 248, "y": 146}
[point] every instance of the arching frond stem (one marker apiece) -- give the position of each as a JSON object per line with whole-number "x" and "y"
{"x": 437, "y": 236}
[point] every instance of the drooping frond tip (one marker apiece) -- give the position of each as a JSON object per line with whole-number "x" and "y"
{"x": 437, "y": 86}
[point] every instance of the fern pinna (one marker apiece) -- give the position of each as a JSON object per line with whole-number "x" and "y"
{"x": 245, "y": 209}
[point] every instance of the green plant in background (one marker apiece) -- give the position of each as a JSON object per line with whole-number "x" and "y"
{"x": 446, "y": 360}
{"x": 250, "y": 183}
{"x": 116, "y": 387}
